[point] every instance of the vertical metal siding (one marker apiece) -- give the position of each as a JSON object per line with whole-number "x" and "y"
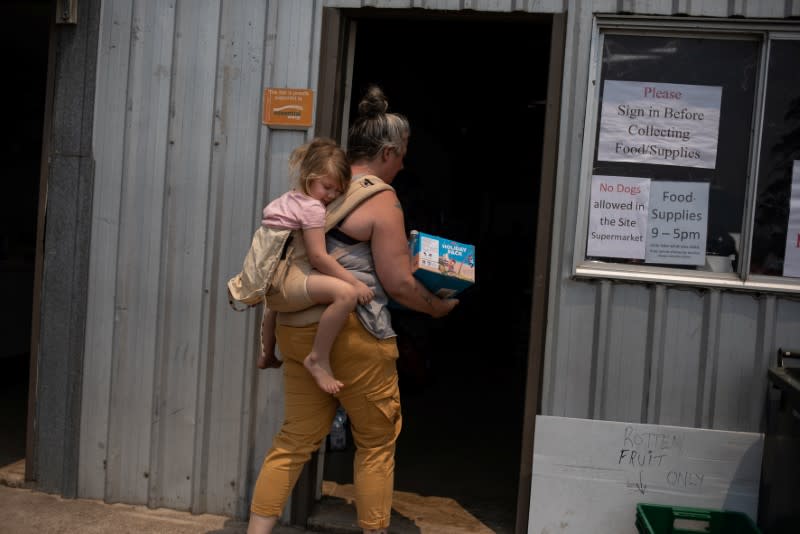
{"x": 652, "y": 353}
{"x": 237, "y": 162}
{"x": 183, "y": 299}
{"x": 109, "y": 117}
{"x": 135, "y": 325}
{"x": 530, "y": 6}
{"x": 174, "y": 413}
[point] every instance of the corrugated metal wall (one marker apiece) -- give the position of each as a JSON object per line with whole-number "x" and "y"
{"x": 173, "y": 413}
{"x": 652, "y": 353}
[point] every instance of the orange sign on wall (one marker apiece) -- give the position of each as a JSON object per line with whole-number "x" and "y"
{"x": 288, "y": 108}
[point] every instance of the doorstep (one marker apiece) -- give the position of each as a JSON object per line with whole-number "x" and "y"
{"x": 13, "y": 475}
{"x": 338, "y": 516}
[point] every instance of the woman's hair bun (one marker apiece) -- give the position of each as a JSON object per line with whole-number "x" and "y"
{"x": 374, "y": 102}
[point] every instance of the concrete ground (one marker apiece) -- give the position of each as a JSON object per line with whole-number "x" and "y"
{"x": 23, "y": 511}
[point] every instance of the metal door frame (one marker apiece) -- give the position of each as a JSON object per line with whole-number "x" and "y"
{"x": 339, "y": 28}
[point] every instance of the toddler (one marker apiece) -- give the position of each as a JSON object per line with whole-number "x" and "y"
{"x": 322, "y": 174}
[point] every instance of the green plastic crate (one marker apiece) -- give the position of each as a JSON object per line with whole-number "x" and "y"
{"x": 660, "y": 519}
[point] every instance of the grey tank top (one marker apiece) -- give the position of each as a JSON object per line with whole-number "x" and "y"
{"x": 357, "y": 258}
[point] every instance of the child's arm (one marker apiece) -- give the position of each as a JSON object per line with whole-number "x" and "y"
{"x": 314, "y": 239}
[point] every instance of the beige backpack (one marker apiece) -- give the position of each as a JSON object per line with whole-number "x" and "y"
{"x": 273, "y": 252}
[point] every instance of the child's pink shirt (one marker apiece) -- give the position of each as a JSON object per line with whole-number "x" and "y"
{"x": 294, "y": 210}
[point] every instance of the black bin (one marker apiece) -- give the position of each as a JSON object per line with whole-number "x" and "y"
{"x": 779, "y": 494}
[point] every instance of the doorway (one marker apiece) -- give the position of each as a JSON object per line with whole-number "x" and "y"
{"x": 26, "y": 63}
{"x": 474, "y": 89}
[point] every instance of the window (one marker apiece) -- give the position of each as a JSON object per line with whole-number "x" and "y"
{"x": 692, "y": 161}
{"x": 779, "y": 166}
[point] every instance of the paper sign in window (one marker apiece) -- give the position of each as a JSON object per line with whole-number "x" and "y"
{"x": 791, "y": 261}
{"x": 678, "y": 223}
{"x": 618, "y": 217}
{"x": 660, "y": 123}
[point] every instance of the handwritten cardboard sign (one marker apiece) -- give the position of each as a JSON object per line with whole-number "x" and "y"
{"x": 659, "y": 123}
{"x": 288, "y": 108}
{"x": 588, "y": 475}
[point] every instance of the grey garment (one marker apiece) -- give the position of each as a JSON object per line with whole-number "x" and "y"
{"x": 357, "y": 258}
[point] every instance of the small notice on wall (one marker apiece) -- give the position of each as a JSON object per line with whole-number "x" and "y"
{"x": 288, "y": 108}
{"x": 659, "y": 123}
{"x": 791, "y": 260}
{"x": 678, "y": 223}
{"x": 618, "y": 217}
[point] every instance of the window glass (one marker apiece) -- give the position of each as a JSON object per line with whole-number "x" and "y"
{"x": 774, "y": 250}
{"x": 670, "y": 165}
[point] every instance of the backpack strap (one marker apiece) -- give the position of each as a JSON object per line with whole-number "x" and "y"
{"x": 360, "y": 190}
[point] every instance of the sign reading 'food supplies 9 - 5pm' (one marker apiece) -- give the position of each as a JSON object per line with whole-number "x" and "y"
{"x": 288, "y": 108}
{"x": 660, "y": 123}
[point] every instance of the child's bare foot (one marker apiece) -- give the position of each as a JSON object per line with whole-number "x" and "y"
{"x": 268, "y": 359}
{"x": 322, "y": 373}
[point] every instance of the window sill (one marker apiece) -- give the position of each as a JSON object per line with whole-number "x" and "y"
{"x": 696, "y": 279}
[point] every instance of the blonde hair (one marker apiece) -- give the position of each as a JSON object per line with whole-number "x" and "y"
{"x": 321, "y": 157}
{"x": 375, "y": 129}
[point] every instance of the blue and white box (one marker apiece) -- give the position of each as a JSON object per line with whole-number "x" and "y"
{"x": 444, "y": 266}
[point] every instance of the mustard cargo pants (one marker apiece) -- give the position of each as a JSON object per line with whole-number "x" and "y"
{"x": 370, "y": 396}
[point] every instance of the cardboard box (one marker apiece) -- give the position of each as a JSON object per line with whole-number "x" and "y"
{"x": 444, "y": 266}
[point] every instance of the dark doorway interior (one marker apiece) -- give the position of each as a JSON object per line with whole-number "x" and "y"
{"x": 25, "y": 42}
{"x": 474, "y": 92}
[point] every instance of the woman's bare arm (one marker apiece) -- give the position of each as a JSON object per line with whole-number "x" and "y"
{"x": 393, "y": 259}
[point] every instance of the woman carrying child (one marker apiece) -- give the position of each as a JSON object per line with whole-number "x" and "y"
{"x": 370, "y": 242}
{"x": 322, "y": 173}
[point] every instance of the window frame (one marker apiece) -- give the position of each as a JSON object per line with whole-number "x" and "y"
{"x": 763, "y": 32}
